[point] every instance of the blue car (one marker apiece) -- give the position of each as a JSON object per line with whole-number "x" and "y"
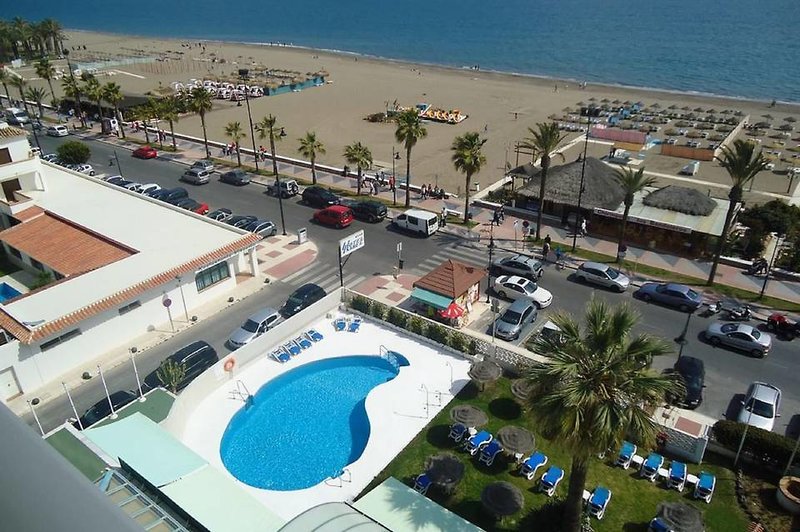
{"x": 675, "y": 295}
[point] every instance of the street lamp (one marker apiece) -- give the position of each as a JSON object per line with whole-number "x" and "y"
{"x": 770, "y": 265}
{"x": 681, "y": 340}
{"x": 583, "y": 176}
{"x": 243, "y": 75}
{"x": 491, "y": 253}
{"x": 77, "y": 94}
{"x": 281, "y": 134}
{"x": 395, "y": 157}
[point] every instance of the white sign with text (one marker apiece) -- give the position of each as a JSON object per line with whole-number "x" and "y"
{"x": 352, "y": 243}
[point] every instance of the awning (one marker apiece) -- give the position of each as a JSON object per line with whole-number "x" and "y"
{"x": 431, "y": 298}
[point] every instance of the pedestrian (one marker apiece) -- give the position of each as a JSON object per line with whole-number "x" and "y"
{"x": 545, "y": 250}
{"x": 583, "y": 226}
{"x": 444, "y": 215}
{"x": 374, "y": 186}
{"x": 496, "y": 217}
{"x": 547, "y": 239}
{"x": 502, "y": 213}
{"x": 391, "y": 183}
{"x": 423, "y": 192}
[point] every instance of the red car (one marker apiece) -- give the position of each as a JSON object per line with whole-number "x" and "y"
{"x": 145, "y": 152}
{"x": 337, "y": 216}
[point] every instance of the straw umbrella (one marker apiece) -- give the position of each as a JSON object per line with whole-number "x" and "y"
{"x": 616, "y": 102}
{"x": 445, "y": 470}
{"x": 521, "y": 389}
{"x": 681, "y": 516}
{"x": 484, "y": 371}
{"x": 502, "y": 499}
{"x": 516, "y": 440}
{"x": 592, "y": 99}
{"x": 605, "y": 100}
{"x": 790, "y": 119}
{"x": 656, "y": 105}
{"x": 672, "y": 107}
{"x": 469, "y": 415}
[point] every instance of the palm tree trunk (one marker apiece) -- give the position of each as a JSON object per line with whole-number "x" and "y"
{"x": 119, "y": 119}
{"x": 272, "y": 148}
{"x": 358, "y": 192}
{"x": 100, "y": 110}
{"x": 408, "y": 177}
{"x": 41, "y": 109}
{"x": 146, "y": 133}
{"x": 52, "y": 92}
{"x": 22, "y": 96}
{"x": 545, "y": 167}
{"x": 8, "y": 94}
{"x": 313, "y": 171}
{"x": 722, "y": 240}
{"x": 466, "y": 198}
{"x": 238, "y": 154}
{"x": 172, "y": 132}
{"x": 622, "y": 230}
{"x": 205, "y": 135}
{"x": 573, "y": 506}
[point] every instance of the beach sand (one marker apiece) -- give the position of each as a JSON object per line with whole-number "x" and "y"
{"x": 500, "y": 106}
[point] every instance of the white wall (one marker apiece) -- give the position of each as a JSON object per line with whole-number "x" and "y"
{"x": 19, "y": 148}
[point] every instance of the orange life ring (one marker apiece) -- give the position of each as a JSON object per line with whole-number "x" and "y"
{"x": 228, "y": 366}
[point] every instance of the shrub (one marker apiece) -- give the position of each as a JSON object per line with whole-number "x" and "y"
{"x": 457, "y": 341}
{"x": 416, "y": 325}
{"x": 73, "y": 152}
{"x": 361, "y": 304}
{"x": 171, "y": 373}
{"x": 762, "y": 444}
{"x": 377, "y": 310}
{"x": 473, "y": 347}
{"x": 397, "y": 317}
{"x": 438, "y": 334}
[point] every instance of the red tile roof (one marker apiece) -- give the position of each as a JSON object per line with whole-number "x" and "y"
{"x": 28, "y": 214}
{"x": 29, "y": 335}
{"x": 451, "y": 278}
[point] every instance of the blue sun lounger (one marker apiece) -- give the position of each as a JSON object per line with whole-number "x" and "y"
{"x": 422, "y": 483}
{"x": 303, "y": 342}
{"x": 280, "y": 355}
{"x": 292, "y": 348}
{"x": 354, "y": 325}
{"x": 705, "y": 486}
{"x": 477, "y": 442}
{"x": 599, "y": 501}
{"x": 549, "y": 481}
{"x": 314, "y": 335}
{"x": 457, "y": 432}
{"x": 339, "y": 324}
{"x": 626, "y": 453}
{"x": 490, "y": 452}
{"x": 534, "y": 462}
{"x": 677, "y": 475}
{"x": 651, "y": 466}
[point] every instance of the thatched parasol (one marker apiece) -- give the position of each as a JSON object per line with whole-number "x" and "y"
{"x": 592, "y": 99}
{"x": 521, "y": 388}
{"x": 768, "y": 116}
{"x": 567, "y": 109}
{"x": 444, "y": 469}
{"x": 790, "y": 119}
{"x": 681, "y": 517}
{"x": 686, "y": 108}
{"x": 640, "y": 103}
{"x": 739, "y": 113}
{"x": 516, "y": 440}
{"x": 616, "y": 102}
{"x": 681, "y": 199}
{"x": 605, "y": 100}
{"x": 502, "y": 499}
{"x": 656, "y": 105}
{"x": 581, "y": 104}
{"x": 786, "y": 127}
{"x": 485, "y": 371}
{"x": 672, "y": 107}
{"x": 711, "y": 111}
{"x": 601, "y": 188}
{"x": 469, "y": 415}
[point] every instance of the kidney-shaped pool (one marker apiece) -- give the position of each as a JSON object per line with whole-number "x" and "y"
{"x": 307, "y": 424}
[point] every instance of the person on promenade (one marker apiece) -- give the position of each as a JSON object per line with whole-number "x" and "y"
{"x": 391, "y": 183}
{"x": 423, "y": 192}
{"x": 502, "y": 213}
{"x": 444, "y": 215}
{"x": 496, "y": 217}
{"x": 545, "y": 250}
{"x": 583, "y": 226}
{"x": 547, "y": 239}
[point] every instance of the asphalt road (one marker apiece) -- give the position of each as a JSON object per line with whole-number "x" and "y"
{"x": 728, "y": 373}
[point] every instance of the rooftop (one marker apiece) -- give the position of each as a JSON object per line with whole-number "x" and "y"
{"x": 9, "y": 132}
{"x": 601, "y": 188}
{"x": 451, "y": 278}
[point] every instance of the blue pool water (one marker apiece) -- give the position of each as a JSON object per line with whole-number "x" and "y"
{"x": 8, "y": 292}
{"x": 305, "y": 425}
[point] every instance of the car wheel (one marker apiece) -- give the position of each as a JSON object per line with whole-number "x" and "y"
{"x": 684, "y": 308}
{"x": 502, "y": 294}
{"x": 91, "y": 173}
{"x": 758, "y": 353}
{"x": 580, "y": 278}
{"x": 372, "y": 219}
{"x": 647, "y": 298}
{"x": 619, "y": 289}
{"x": 539, "y": 275}
{"x": 714, "y": 341}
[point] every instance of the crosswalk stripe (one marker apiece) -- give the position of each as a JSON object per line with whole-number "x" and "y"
{"x": 299, "y": 273}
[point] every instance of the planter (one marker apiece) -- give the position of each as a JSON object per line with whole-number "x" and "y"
{"x": 788, "y": 494}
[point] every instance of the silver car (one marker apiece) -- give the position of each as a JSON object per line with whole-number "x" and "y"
{"x": 195, "y": 176}
{"x": 760, "y": 406}
{"x": 204, "y": 164}
{"x": 253, "y": 327}
{"x": 602, "y": 275}
{"x": 739, "y": 336}
{"x": 510, "y": 324}
{"x": 521, "y": 265}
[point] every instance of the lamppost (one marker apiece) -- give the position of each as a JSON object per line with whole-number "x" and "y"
{"x": 681, "y": 340}
{"x": 491, "y": 254}
{"x": 77, "y": 92}
{"x": 770, "y": 265}
{"x": 395, "y": 157}
{"x": 583, "y": 177}
{"x": 243, "y": 75}
{"x": 281, "y": 134}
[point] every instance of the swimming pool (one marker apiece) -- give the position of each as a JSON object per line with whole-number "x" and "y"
{"x": 307, "y": 424}
{"x": 8, "y": 292}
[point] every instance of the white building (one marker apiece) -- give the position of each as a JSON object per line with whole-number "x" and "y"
{"x": 114, "y": 257}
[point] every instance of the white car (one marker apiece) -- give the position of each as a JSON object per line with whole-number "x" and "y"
{"x": 84, "y": 169}
{"x": 760, "y": 406}
{"x": 57, "y": 131}
{"x": 515, "y": 287}
{"x": 149, "y": 188}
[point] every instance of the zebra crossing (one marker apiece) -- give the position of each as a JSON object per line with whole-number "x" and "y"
{"x": 466, "y": 253}
{"x": 323, "y": 274}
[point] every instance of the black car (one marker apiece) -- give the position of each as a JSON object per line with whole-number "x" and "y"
{"x": 370, "y": 211}
{"x": 303, "y": 297}
{"x": 235, "y": 177}
{"x": 171, "y": 195}
{"x": 101, "y": 409}
{"x": 220, "y": 215}
{"x": 319, "y": 197}
{"x": 693, "y": 373}
{"x": 241, "y": 221}
{"x": 195, "y": 358}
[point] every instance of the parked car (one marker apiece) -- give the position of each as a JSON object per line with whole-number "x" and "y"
{"x": 675, "y": 295}
{"x": 515, "y": 287}
{"x": 370, "y": 211}
{"x": 288, "y": 188}
{"x": 195, "y": 358}
{"x": 511, "y": 323}
{"x": 337, "y": 216}
{"x": 602, "y": 275}
{"x": 241, "y": 221}
{"x": 192, "y": 205}
{"x": 196, "y": 176}
{"x": 783, "y": 325}
{"x": 693, "y": 374}
{"x": 417, "y": 221}
{"x": 264, "y": 228}
{"x": 84, "y": 169}
{"x": 760, "y": 406}
{"x": 204, "y": 164}
{"x": 739, "y": 336}
{"x": 49, "y": 157}
{"x": 118, "y": 180}
{"x": 220, "y": 215}
{"x": 319, "y": 197}
{"x": 302, "y": 298}
{"x": 171, "y": 195}
{"x": 236, "y": 177}
{"x": 521, "y": 265}
{"x": 149, "y": 188}
{"x": 134, "y": 187}
{"x": 57, "y": 131}
{"x": 253, "y": 327}
{"x": 101, "y": 409}
{"x": 145, "y": 152}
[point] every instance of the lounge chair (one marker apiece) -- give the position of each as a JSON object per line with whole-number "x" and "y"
{"x": 534, "y": 462}
{"x": 339, "y": 324}
{"x": 354, "y": 324}
{"x": 292, "y": 348}
{"x": 549, "y": 481}
{"x": 422, "y": 483}
{"x": 599, "y": 501}
{"x": 303, "y": 342}
{"x": 677, "y": 475}
{"x": 280, "y": 355}
{"x": 490, "y": 452}
{"x": 457, "y": 432}
{"x": 651, "y": 466}
{"x": 626, "y": 453}
{"x": 478, "y": 442}
{"x": 705, "y": 486}
{"x": 314, "y": 335}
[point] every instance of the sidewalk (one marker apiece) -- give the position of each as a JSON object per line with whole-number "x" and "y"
{"x": 503, "y": 234}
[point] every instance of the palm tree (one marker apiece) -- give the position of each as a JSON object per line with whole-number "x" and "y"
{"x": 631, "y": 183}
{"x": 360, "y": 156}
{"x": 20, "y": 83}
{"x": 5, "y": 79}
{"x": 46, "y": 71}
{"x": 544, "y": 141}
{"x": 467, "y": 158}
{"x": 594, "y": 388}
{"x": 200, "y": 103}
{"x": 94, "y": 91}
{"x": 53, "y": 30}
{"x": 234, "y": 131}
{"x": 409, "y": 131}
{"x": 266, "y": 129}
{"x": 36, "y": 94}
{"x": 154, "y": 108}
{"x": 72, "y": 90}
{"x": 310, "y": 147}
{"x": 142, "y": 113}
{"x": 169, "y": 112}
{"x": 112, "y": 93}
{"x": 742, "y": 163}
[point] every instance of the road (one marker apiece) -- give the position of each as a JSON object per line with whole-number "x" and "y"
{"x": 728, "y": 373}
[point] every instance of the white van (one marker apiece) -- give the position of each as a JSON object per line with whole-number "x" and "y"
{"x": 17, "y": 117}
{"x": 417, "y": 221}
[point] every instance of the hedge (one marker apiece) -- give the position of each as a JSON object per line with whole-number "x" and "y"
{"x": 762, "y": 444}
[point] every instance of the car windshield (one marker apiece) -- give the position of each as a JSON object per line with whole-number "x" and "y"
{"x": 755, "y": 333}
{"x": 250, "y": 326}
{"x": 692, "y": 294}
{"x": 529, "y": 288}
{"x": 760, "y": 408}
{"x": 693, "y": 381}
{"x": 294, "y": 302}
{"x": 612, "y": 273}
{"x": 511, "y": 317}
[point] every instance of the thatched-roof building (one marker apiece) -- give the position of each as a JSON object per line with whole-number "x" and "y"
{"x": 681, "y": 199}
{"x": 563, "y": 185}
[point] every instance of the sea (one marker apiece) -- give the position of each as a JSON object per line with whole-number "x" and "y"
{"x": 738, "y": 48}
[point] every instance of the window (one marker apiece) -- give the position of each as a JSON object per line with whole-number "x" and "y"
{"x": 129, "y": 307}
{"x": 36, "y": 264}
{"x": 14, "y": 251}
{"x": 211, "y": 276}
{"x": 63, "y": 338}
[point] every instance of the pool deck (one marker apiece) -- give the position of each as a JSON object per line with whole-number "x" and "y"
{"x": 398, "y": 410}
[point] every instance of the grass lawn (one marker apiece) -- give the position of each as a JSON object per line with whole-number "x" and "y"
{"x": 633, "y": 503}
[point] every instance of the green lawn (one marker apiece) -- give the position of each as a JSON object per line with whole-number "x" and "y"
{"x": 84, "y": 460}
{"x": 633, "y": 503}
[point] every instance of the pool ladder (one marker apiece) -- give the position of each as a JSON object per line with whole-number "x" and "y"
{"x": 388, "y": 355}
{"x": 345, "y": 476}
{"x": 242, "y": 393}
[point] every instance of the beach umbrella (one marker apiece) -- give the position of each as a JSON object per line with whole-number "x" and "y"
{"x": 444, "y": 469}
{"x": 686, "y": 108}
{"x": 640, "y": 103}
{"x": 592, "y": 99}
{"x": 786, "y": 127}
{"x": 452, "y": 311}
{"x": 790, "y": 119}
{"x": 656, "y": 105}
{"x": 673, "y": 107}
{"x": 502, "y": 499}
{"x": 605, "y": 107}
{"x": 521, "y": 388}
{"x": 616, "y": 102}
{"x": 581, "y": 104}
{"x": 726, "y": 111}
{"x": 739, "y": 113}
{"x": 711, "y": 110}
{"x": 469, "y": 415}
{"x": 768, "y": 116}
{"x": 484, "y": 371}
{"x": 516, "y": 440}
{"x": 681, "y": 517}
{"x": 567, "y": 109}
{"x": 605, "y": 100}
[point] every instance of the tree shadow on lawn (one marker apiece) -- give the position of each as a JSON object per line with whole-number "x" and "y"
{"x": 438, "y": 437}
{"x": 505, "y": 408}
{"x": 469, "y": 392}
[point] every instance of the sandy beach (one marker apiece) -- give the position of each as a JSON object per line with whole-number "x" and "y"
{"x": 500, "y": 106}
